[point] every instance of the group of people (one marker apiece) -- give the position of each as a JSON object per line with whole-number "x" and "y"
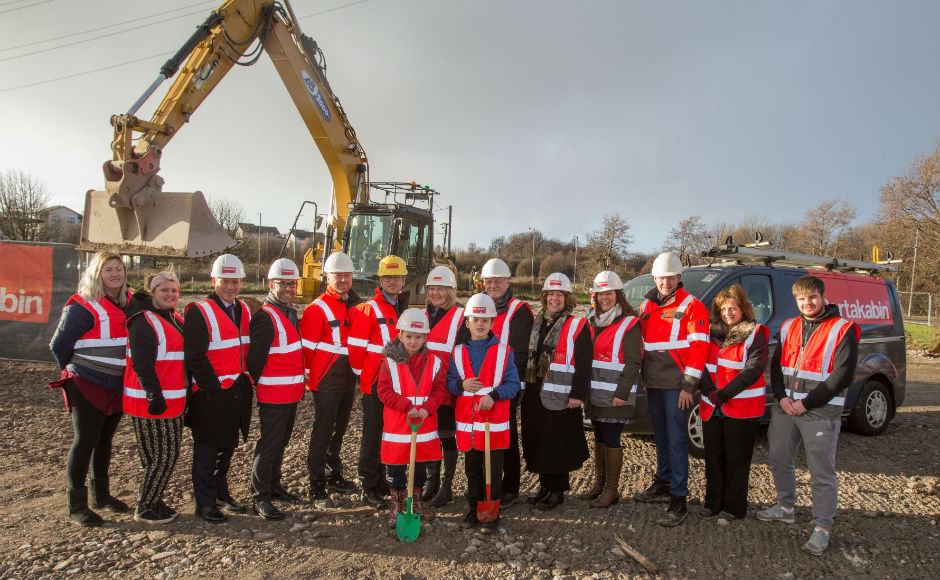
{"x": 445, "y": 379}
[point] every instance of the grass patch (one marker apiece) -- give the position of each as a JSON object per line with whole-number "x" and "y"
{"x": 921, "y": 336}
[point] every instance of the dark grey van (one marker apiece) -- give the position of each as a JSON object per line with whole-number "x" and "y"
{"x": 879, "y": 387}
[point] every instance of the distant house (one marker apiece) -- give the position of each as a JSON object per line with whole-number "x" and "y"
{"x": 60, "y": 224}
{"x": 245, "y": 230}
{"x": 61, "y": 214}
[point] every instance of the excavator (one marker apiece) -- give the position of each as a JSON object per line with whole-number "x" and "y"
{"x": 135, "y": 216}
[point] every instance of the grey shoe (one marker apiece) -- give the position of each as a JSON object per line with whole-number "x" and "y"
{"x": 817, "y": 543}
{"x": 776, "y": 513}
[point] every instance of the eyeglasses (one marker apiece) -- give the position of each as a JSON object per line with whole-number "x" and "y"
{"x": 286, "y": 284}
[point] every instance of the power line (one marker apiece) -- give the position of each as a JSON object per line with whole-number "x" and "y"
{"x": 22, "y": 7}
{"x": 333, "y": 9}
{"x": 87, "y": 72}
{"x": 99, "y": 28}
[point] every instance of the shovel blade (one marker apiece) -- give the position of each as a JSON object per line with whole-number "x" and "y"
{"x": 488, "y": 511}
{"x": 408, "y": 525}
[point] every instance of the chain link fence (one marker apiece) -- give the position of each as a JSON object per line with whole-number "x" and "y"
{"x": 922, "y": 307}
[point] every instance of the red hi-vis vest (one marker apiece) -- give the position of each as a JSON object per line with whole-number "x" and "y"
{"x": 396, "y": 431}
{"x": 324, "y": 344}
{"x": 723, "y": 365}
{"x": 282, "y": 378}
{"x": 228, "y": 344}
{"x": 557, "y": 385}
{"x": 805, "y": 367}
{"x": 104, "y": 347}
{"x": 442, "y": 337}
{"x": 504, "y": 320}
{"x": 608, "y": 362}
{"x": 374, "y": 329}
{"x": 169, "y": 370}
{"x": 471, "y": 423}
{"x": 675, "y": 339}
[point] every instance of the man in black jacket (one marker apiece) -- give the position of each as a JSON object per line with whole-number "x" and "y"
{"x": 215, "y": 340}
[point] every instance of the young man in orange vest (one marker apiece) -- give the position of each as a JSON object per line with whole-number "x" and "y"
{"x": 215, "y": 342}
{"x": 411, "y": 386}
{"x": 372, "y": 329}
{"x": 276, "y": 365}
{"x": 809, "y": 374}
{"x": 324, "y": 331}
{"x": 484, "y": 378}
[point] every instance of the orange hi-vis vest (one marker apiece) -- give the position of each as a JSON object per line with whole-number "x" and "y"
{"x": 504, "y": 320}
{"x": 804, "y": 368}
{"x": 228, "y": 344}
{"x": 396, "y": 430}
{"x": 329, "y": 347}
{"x": 556, "y": 387}
{"x": 282, "y": 378}
{"x": 608, "y": 362}
{"x": 104, "y": 347}
{"x": 168, "y": 367}
{"x": 443, "y": 336}
{"x": 366, "y": 341}
{"x": 723, "y": 365}
{"x": 471, "y": 423}
{"x": 675, "y": 339}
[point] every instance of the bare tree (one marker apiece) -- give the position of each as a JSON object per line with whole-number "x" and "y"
{"x": 689, "y": 239}
{"x": 825, "y": 227}
{"x": 608, "y": 244}
{"x": 227, "y": 212}
{"x": 22, "y": 198}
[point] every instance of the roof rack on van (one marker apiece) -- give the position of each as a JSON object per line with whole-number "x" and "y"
{"x": 747, "y": 254}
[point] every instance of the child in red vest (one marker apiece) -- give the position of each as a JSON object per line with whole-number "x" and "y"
{"x": 411, "y": 386}
{"x": 483, "y": 375}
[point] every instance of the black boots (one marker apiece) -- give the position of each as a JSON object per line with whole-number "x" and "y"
{"x": 433, "y": 483}
{"x": 79, "y": 512}
{"x": 657, "y": 492}
{"x": 676, "y": 513}
{"x": 101, "y": 497}
{"x": 448, "y": 467}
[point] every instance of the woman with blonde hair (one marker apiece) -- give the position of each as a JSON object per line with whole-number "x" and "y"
{"x": 90, "y": 346}
{"x": 733, "y": 398}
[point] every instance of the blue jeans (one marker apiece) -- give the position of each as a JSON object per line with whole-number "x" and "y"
{"x": 397, "y": 475}
{"x": 672, "y": 444}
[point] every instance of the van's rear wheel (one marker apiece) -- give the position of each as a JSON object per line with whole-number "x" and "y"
{"x": 695, "y": 434}
{"x": 872, "y": 409}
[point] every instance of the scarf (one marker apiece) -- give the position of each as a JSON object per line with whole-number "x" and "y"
{"x": 503, "y": 302}
{"x": 540, "y": 358}
{"x": 606, "y": 319}
{"x": 724, "y": 336}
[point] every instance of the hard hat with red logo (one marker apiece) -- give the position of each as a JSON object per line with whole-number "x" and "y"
{"x": 480, "y": 306}
{"x": 227, "y": 266}
{"x": 557, "y": 281}
{"x": 607, "y": 280}
{"x": 392, "y": 266}
{"x": 414, "y": 320}
{"x": 441, "y": 276}
{"x": 495, "y": 268}
{"x": 338, "y": 262}
{"x": 667, "y": 264}
{"x": 283, "y": 269}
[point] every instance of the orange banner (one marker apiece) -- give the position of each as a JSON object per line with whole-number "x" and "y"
{"x": 25, "y": 283}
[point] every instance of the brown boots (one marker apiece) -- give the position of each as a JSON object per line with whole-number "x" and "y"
{"x": 600, "y": 473}
{"x": 613, "y": 463}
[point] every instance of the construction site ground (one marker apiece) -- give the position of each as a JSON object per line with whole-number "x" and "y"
{"x": 887, "y": 526}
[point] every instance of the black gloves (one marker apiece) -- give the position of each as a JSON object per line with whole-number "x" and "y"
{"x": 156, "y": 404}
{"x": 714, "y": 399}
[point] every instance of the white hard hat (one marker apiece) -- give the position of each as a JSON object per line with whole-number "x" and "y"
{"x": 480, "y": 306}
{"x": 607, "y": 280}
{"x": 495, "y": 268}
{"x": 442, "y": 276}
{"x": 557, "y": 281}
{"x": 414, "y": 320}
{"x": 667, "y": 264}
{"x": 283, "y": 269}
{"x": 227, "y": 266}
{"x": 338, "y": 262}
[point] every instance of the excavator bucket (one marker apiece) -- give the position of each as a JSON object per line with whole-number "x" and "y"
{"x": 169, "y": 225}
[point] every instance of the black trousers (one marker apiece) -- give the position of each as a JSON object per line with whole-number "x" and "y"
{"x": 277, "y": 424}
{"x": 512, "y": 464}
{"x": 158, "y": 446}
{"x": 370, "y": 468}
{"x": 559, "y": 482}
{"x": 729, "y": 445}
{"x": 331, "y": 411}
{"x": 94, "y": 432}
{"x": 210, "y": 473}
{"x": 475, "y": 466}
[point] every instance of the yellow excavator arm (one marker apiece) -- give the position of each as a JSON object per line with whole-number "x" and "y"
{"x": 135, "y": 216}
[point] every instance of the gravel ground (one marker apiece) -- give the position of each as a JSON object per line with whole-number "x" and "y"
{"x": 886, "y": 528}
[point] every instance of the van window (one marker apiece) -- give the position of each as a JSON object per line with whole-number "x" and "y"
{"x": 695, "y": 281}
{"x": 760, "y": 295}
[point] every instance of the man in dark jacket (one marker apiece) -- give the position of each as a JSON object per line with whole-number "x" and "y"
{"x": 809, "y": 374}
{"x": 215, "y": 341}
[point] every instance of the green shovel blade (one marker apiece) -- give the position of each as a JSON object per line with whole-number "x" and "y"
{"x": 408, "y": 524}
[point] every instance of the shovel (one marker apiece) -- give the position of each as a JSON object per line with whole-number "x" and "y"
{"x": 408, "y": 524}
{"x": 487, "y": 511}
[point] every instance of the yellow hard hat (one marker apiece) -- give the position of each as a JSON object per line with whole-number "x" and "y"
{"x": 392, "y": 266}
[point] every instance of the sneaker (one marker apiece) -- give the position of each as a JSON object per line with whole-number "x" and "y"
{"x": 161, "y": 508}
{"x": 229, "y": 505}
{"x": 339, "y": 484}
{"x": 372, "y": 497}
{"x": 318, "y": 491}
{"x": 776, "y": 513}
{"x": 817, "y": 543}
{"x": 151, "y": 516}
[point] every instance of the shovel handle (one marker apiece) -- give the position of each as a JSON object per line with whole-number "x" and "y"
{"x": 411, "y": 458}
{"x": 486, "y": 455}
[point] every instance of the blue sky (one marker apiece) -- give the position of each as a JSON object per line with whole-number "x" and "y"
{"x": 522, "y": 114}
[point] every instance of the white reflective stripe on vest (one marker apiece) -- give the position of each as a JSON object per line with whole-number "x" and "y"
{"x": 711, "y": 367}
{"x": 167, "y": 394}
{"x": 103, "y": 321}
{"x": 739, "y": 364}
{"x": 693, "y": 372}
{"x": 337, "y": 340}
{"x": 281, "y": 334}
{"x": 100, "y": 342}
{"x": 451, "y": 333}
{"x": 831, "y": 342}
{"x": 361, "y": 342}
{"x": 325, "y": 346}
{"x": 281, "y": 380}
{"x": 458, "y": 358}
{"x": 750, "y": 393}
{"x": 697, "y": 336}
{"x": 287, "y": 348}
{"x": 676, "y": 322}
{"x": 840, "y": 401}
{"x": 228, "y": 377}
{"x": 553, "y": 388}
{"x": 675, "y": 344}
{"x": 602, "y": 386}
{"x": 514, "y": 305}
{"x": 383, "y": 328}
{"x": 481, "y": 426}
{"x": 398, "y": 438}
{"x": 376, "y": 348}
{"x": 608, "y": 366}
{"x": 102, "y": 359}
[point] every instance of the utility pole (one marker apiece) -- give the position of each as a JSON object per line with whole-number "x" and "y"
{"x": 533, "y": 261}
{"x": 575, "y": 273}
{"x": 259, "y": 247}
{"x": 913, "y": 269}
